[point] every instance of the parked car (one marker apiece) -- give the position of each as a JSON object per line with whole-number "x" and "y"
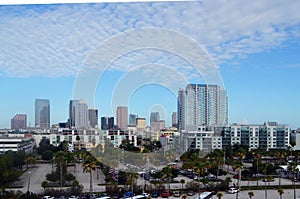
{"x": 48, "y": 197}
{"x": 268, "y": 180}
{"x": 191, "y": 193}
{"x": 233, "y": 190}
{"x": 73, "y": 197}
{"x": 166, "y": 194}
{"x": 176, "y": 194}
{"x": 155, "y": 194}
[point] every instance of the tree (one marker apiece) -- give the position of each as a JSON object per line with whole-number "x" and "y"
{"x": 182, "y": 181}
{"x": 257, "y": 156}
{"x": 45, "y": 184}
{"x": 219, "y": 195}
{"x": 89, "y": 165}
{"x": 281, "y": 154}
{"x": 60, "y": 160}
{"x": 250, "y": 194}
{"x": 294, "y": 169}
{"x": 280, "y": 192}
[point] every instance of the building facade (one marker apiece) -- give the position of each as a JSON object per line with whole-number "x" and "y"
{"x": 93, "y": 118}
{"x": 154, "y": 117}
{"x": 81, "y": 114}
{"x": 107, "y": 123}
{"x": 202, "y": 105}
{"x": 19, "y": 121}
{"x": 72, "y": 112}
{"x": 132, "y": 119}
{"x": 122, "y": 117}
{"x": 42, "y": 113}
{"x": 175, "y": 119}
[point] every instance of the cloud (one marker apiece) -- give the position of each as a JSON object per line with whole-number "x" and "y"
{"x": 54, "y": 40}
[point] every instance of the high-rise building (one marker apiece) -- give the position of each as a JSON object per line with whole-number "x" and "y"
{"x": 72, "y": 112}
{"x": 81, "y": 114}
{"x": 132, "y": 119}
{"x": 107, "y": 123}
{"x": 154, "y": 117}
{"x": 122, "y": 117}
{"x": 42, "y": 113}
{"x": 202, "y": 104}
{"x": 140, "y": 124}
{"x": 19, "y": 121}
{"x": 174, "y": 120}
{"x": 93, "y": 118}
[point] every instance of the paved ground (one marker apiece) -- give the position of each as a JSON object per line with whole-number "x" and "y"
{"x": 33, "y": 178}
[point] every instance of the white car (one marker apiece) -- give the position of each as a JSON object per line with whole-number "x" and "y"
{"x": 73, "y": 197}
{"x": 48, "y": 197}
{"x": 233, "y": 190}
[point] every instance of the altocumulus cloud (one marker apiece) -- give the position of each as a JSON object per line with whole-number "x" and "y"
{"x": 54, "y": 40}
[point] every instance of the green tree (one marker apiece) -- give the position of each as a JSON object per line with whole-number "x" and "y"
{"x": 250, "y": 194}
{"x": 89, "y": 165}
{"x": 45, "y": 184}
{"x": 219, "y": 195}
{"x": 60, "y": 160}
{"x": 280, "y": 192}
{"x": 256, "y": 156}
{"x": 182, "y": 181}
{"x": 281, "y": 154}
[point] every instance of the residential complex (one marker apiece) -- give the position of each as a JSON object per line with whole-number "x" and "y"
{"x": 202, "y": 105}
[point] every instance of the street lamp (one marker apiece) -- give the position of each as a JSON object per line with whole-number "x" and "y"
{"x": 29, "y": 173}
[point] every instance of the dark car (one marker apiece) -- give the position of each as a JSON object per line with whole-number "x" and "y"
{"x": 155, "y": 194}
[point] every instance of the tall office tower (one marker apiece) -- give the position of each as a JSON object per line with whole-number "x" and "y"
{"x": 107, "y": 123}
{"x": 72, "y": 112}
{"x": 202, "y": 104}
{"x": 180, "y": 109}
{"x": 81, "y": 114}
{"x": 132, "y": 119}
{"x": 174, "y": 120}
{"x": 93, "y": 118}
{"x": 42, "y": 113}
{"x": 154, "y": 117}
{"x": 19, "y": 121}
{"x": 122, "y": 117}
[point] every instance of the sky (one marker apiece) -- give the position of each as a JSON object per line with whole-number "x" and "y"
{"x": 138, "y": 54}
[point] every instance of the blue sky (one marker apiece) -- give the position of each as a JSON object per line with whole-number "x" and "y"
{"x": 256, "y": 48}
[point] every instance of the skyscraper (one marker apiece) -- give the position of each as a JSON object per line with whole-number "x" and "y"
{"x": 19, "y": 121}
{"x": 122, "y": 117}
{"x": 154, "y": 117}
{"x": 72, "y": 112}
{"x": 202, "y": 104}
{"x": 81, "y": 114}
{"x": 93, "y": 118}
{"x": 174, "y": 120}
{"x": 132, "y": 119}
{"x": 42, "y": 113}
{"x": 107, "y": 123}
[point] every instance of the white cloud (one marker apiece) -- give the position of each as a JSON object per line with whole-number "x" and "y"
{"x": 54, "y": 40}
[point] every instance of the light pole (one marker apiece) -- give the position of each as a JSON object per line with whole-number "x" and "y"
{"x": 29, "y": 173}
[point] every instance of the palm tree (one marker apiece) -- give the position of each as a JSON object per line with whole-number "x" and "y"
{"x": 60, "y": 160}
{"x": 294, "y": 169}
{"x": 265, "y": 172}
{"x": 182, "y": 181}
{"x": 257, "y": 156}
{"x": 89, "y": 165}
{"x": 280, "y": 192}
{"x": 219, "y": 195}
{"x": 239, "y": 166}
{"x": 281, "y": 155}
{"x": 250, "y": 194}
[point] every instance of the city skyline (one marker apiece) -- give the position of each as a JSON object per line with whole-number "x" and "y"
{"x": 255, "y": 48}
